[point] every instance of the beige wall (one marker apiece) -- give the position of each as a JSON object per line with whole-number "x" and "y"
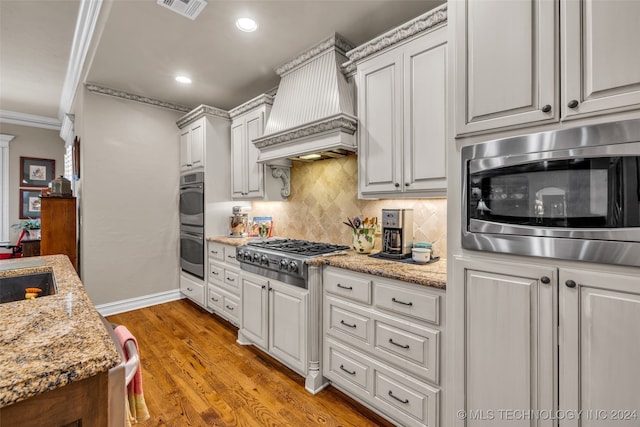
{"x": 29, "y": 142}
{"x": 128, "y": 198}
{"x": 325, "y": 192}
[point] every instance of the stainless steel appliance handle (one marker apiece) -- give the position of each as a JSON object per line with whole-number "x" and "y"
{"x": 191, "y": 186}
{"x": 629, "y": 149}
{"x": 191, "y": 235}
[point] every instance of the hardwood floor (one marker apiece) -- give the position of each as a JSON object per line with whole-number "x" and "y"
{"x": 195, "y": 374}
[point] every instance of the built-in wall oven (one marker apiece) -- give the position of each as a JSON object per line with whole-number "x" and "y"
{"x": 192, "y": 243}
{"x": 569, "y": 194}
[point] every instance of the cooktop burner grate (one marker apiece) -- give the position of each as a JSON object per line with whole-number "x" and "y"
{"x": 299, "y": 247}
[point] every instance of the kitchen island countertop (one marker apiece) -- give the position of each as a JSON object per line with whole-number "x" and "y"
{"x": 50, "y": 341}
{"x": 433, "y": 275}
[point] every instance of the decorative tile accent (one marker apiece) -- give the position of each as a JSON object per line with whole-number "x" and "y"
{"x": 324, "y": 193}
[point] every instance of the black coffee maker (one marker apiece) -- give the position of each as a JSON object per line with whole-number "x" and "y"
{"x": 397, "y": 233}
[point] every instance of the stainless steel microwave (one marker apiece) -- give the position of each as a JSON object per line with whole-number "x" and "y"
{"x": 568, "y": 194}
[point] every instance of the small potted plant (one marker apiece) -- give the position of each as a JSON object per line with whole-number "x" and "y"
{"x": 30, "y": 228}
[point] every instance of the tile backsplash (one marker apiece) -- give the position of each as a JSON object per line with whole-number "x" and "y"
{"x": 324, "y": 193}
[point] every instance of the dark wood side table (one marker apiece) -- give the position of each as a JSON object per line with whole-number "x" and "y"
{"x": 30, "y": 247}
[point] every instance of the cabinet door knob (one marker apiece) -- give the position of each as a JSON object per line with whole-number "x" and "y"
{"x": 546, "y": 108}
{"x": 572, "y": 104}
{"x": 406, "y": 184}
{"x": 397, "y": 185}
{"x": 570, "y": 284}
{"x": 545, "y": 280}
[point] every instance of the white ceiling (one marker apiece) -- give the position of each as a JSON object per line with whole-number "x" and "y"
{"x": 143, "y": 46}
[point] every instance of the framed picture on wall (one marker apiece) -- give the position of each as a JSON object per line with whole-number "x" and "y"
{"x": 29, "y": 204}
{"x": 36, "y": 172}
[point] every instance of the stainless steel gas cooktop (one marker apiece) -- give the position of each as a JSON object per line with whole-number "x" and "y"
{"x": 282, "y": 259}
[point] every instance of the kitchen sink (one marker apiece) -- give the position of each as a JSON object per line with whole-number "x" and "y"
{"x": 14, "y": 288}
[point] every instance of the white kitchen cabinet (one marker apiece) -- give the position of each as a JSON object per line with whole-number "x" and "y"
{"x": 274, "y": 317}
{"x": 600, "y": 61}
{"x": 192, "y": 289}
{"x": 250, "y": 179}
{"x": 506, "y": 319}
{"x": 223, "y": 288}
{"x": 383, "y": 344}
{"x": 508, "y": 354}
{"x": 511, "y": 56}
{"x": 402, "y": 124}
{"x": 599, "y": 347}
{"x": 192, "y": 145}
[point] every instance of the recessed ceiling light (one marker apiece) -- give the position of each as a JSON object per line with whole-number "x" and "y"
{"x": 183, "y": 79}
{"x": 247, "y": 25}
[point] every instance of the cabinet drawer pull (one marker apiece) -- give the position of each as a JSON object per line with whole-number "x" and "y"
{"x": 348, "y": 371}
{"x": 214, "y": 252}
{"x": 190, "y": 290}
{"x": 215, "y": 273}
{"x": 405, "y": 401}
{"x": 401, "y": 302}
{"x": 229, "y": 307}
{"x": 349, "y": 288}
{"x": 214, "y": 299}
{"x": 231, "y": 279}
{"x": 391, "y": 341}
{"x": 570, "y": 284}
{"x": 231, "y": 256}
{"x": 264, "y": 286}
{"x": 347, "y": 324}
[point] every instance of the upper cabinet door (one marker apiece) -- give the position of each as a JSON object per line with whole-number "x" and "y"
{"x": 197, "y": 144}
{"x": 380, "y": 128}
{"x": 255, "y": 170}
{"x": 505, "y": 63}
{"x": 185, "y": 156}
{"x": 238, "y": 160}
{"x": 425, "y": 106}
{"x": 600, "y": 56}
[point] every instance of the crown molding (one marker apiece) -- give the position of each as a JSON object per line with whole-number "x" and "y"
{"x": 258, "y": 101}
{"x": 422, "y": 23}
{"x": 30, "y": 120}
{"x": 334, "y": 41}
{"x": 5, "y": 139}
{"x": 88, "y": 15}
{"x": 342, "y": 123}
{"x": 94, "y": 88}
{"x": 201, "y": 111}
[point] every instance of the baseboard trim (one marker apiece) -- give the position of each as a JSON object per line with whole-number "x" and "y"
{"x": 118, "y": 307}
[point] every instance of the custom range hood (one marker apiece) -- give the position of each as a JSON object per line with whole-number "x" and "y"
{"x": 313, "y": 113}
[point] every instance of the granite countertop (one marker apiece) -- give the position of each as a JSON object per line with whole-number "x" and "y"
{"x": 433, "y": 275}
{"x": 50, "y": 341}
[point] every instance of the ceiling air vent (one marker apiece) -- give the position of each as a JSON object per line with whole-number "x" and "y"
{"x": 189, "y": 8}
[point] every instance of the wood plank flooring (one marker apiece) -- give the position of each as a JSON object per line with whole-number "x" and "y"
{"x": 195, "y": 374}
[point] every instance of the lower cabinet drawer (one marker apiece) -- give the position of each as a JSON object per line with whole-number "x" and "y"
{"x": 410, "y": 347}
{"x": 346, "y": 321}
{"x": 215, "y": 299}
{"x": 231, "y": 279}
{"x": 231, "y": 307}
{"x": 415, "y": 402}
{"x": 348, "y": 368}
{"x": 192, "y": 289}
{"x": 409, "y": 302}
